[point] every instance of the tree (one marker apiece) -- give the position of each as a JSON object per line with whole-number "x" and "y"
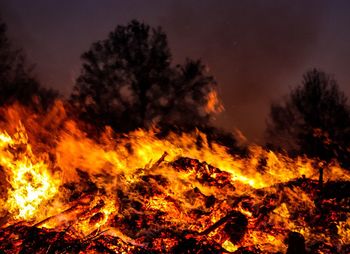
{"x": 127, "y": 82}
{"x": 313, "y": 120}
{"x": 17, "y": 83}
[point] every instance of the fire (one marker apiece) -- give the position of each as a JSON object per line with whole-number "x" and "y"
{"x": 31, "y": 183}
{"x": 139, "y": 192}
{"x": 213, "y": 105}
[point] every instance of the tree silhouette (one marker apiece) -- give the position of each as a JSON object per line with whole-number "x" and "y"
{"x": 127, "y": 82}
{"x": 16, "y": 81}
{"x": 313, "y": 120}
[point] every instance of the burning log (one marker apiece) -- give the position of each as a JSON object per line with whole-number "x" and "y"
{"x": 235, "y": 226}
{"x": 296, "y": 243}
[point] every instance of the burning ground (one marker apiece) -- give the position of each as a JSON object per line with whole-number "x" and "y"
{"x": 63, "y": 192}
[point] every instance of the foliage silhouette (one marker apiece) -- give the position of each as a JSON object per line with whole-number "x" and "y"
{"x": 314, "y": 120}
{"x": 17, "y": 83}
{"x": 127, "y": 82}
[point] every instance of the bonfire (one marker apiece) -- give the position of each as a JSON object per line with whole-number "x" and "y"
{"x": 65, "y": 192}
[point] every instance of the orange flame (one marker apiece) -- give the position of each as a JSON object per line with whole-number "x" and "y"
{"x": 213, "y": 105}
{"x": 71, "y": 180}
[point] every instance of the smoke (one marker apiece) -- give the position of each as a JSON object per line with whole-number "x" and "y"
{"x": 255, "y": 49}
{"x": 252, "y": 47}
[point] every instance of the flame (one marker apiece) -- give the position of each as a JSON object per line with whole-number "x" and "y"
{"x": 213, "y": 104}
{"x": 142, "y": 190}
{"x": 31, "y": 183}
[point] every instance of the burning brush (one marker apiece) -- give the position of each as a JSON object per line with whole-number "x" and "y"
{"x": 62, "y": 192}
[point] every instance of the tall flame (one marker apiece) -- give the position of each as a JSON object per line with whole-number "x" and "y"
{"x": 31, "y": 182}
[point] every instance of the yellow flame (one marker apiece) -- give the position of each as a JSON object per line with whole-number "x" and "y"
{"x": 30, "y": 180}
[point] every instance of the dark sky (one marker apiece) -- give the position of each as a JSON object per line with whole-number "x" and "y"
{"x": 257, "y": 50}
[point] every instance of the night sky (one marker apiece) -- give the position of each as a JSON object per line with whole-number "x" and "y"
{"x": 257, "y": 50}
